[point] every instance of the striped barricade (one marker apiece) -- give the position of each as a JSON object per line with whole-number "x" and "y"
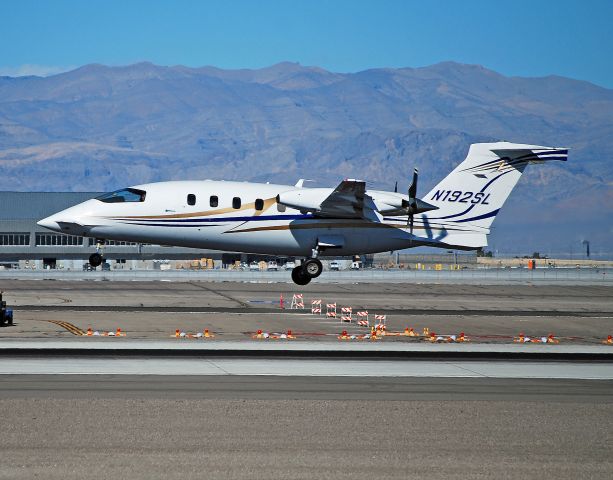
{"x": 316, "y": 307}
{"x": 346, "y": 314}
{"x": 297, "y": 301}
{"x": 331, "y": 310}
{"x": 362, "y": 318}
{"x": 380, "y": 323}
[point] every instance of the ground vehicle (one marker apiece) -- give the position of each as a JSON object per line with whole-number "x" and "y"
{"x": 272, "y": 266}
{"x": 355, "y": 265}
{"x": 335, "y": 266}
{"x": 254, "y": 267}
{"x": 106, "y": 267}
{"x": 290, "y": 265}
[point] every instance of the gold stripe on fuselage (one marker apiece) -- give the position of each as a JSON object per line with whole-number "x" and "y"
{"x": 269, "y": 202}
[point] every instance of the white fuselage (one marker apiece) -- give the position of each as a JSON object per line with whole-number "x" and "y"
{"x": 206, "y": 214}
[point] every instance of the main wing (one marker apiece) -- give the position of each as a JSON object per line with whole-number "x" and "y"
{"x": 347, "y": 200}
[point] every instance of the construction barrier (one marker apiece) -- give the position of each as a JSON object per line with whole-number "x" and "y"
{"x": 297, "y": 301}
{"x": 346, "y": 314}
{"x": 362, "y": 318}
{"x": 380, "y": 322}
{"x": 331, "y": 310}
{"x": 316, "y": 307}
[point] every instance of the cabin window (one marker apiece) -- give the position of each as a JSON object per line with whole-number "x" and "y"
{"x": 124, "y": 195}
{"x": 214, "y": 201}
{"x": 191, "y": 199}
{"x": 259, "y": 204}
{"x": 236, "y": 202}
{"x": 280, "y": 207}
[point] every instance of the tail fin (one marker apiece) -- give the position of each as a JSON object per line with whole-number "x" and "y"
{"x": 474, "y": 192}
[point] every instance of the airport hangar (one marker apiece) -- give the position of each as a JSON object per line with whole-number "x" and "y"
{"x": 24, "y": 244}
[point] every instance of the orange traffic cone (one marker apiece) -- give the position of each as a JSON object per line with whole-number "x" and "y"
{"x": 609, "y": 340}
{"x": 432, "y": 337}
{"x": 462, "y": 338}
{"x": 118, "y": 333}
{"x": 177, "y": 333}
{"x": 520, "y": 339}
{"x": 90, "y": 332}
{"x": 409, "y": 332}
{"x": 343, "y": 335}
{"x": 552, "y": 339}
{"x": 208, "y": 334}
{"x": 289, "y": 334}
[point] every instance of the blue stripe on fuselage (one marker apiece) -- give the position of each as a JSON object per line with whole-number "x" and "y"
{"x": 218, "y": 219}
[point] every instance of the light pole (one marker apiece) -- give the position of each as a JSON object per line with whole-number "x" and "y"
{"x": 587, "y": 248}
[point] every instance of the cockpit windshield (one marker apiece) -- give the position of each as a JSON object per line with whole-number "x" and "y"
{"x": 124, "y": 195}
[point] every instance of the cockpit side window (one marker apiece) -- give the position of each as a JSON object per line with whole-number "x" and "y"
{"x": 124, "y": 195}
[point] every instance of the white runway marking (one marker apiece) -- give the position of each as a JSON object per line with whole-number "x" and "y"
{"x": 317, "y": 368}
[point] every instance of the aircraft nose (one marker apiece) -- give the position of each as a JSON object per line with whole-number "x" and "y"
{"x": 49, "y": 223}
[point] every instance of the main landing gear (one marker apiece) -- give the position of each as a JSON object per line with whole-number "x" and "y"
{"x": 96, "y": 259}
{"x": 310, "y": 268}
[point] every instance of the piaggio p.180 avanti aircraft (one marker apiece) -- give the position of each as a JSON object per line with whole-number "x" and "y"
{"x": 310, "y": 222}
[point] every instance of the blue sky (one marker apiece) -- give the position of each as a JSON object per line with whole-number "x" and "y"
{"x": 526, "y": 38}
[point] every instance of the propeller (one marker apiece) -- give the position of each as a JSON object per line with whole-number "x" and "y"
{"x": 412, "y": 207}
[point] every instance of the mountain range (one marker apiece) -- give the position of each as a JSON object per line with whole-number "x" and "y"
{"x": 98, "y": 128}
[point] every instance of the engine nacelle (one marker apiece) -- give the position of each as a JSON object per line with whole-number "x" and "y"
{"x": 388, "y": 203}
{"x": 304, "y": 199}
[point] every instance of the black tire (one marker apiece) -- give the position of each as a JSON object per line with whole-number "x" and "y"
{"x": 300, "y": 277}
{"x": 95, "y": 260}
{"x": 312, "y": 267}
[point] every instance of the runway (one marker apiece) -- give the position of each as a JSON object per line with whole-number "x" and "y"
{"x": 260, "y": 427}
{"x": 150, "y": 405}
{"x": 314, "y": 367}
{"x": 234, "y": 310}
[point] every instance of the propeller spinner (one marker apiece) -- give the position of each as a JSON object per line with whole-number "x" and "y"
{"x": 415, "y": 205}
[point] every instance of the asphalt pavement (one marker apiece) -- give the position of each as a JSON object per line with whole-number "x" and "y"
{"x": 66, "y": 427}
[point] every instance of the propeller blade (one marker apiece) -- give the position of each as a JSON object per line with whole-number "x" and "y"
{"x": 412, "y": 200}
{"x": 413, "y": 187}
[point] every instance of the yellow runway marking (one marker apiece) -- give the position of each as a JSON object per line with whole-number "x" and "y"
{"x": 68, "y": 326}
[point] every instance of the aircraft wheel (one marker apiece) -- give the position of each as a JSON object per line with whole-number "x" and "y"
{"x": 300, "y": 277}
{"x": 95, "y": 260}
{"x": 313, "y": 267}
